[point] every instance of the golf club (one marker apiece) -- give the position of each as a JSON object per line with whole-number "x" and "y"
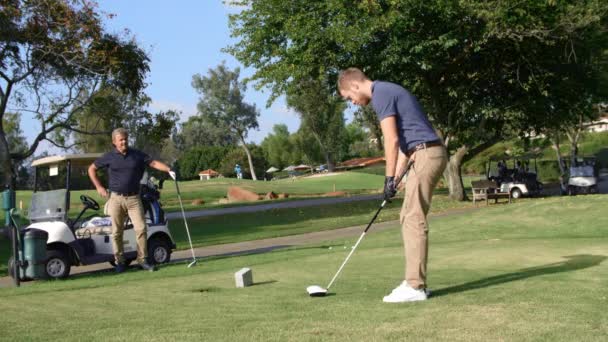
{"x": 318, "y": 291}
{"x": 179, "y": 196}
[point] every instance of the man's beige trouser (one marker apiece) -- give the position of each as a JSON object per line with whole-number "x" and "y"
{"x": 118, "y": 209}
{"x": 421, "y": 181}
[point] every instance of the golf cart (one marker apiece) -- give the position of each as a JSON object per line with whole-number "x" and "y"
{"x": 518, "y": 180}
{"x": 87, "y": 240}
{"x": 583, "y": 177}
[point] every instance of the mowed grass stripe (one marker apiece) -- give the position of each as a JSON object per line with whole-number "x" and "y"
{"x": 517, "y": 284}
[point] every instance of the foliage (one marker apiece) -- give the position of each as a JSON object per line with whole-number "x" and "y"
{"x": 480, "y": 68}
{"x": 322, "y": 114}
{"x": 222, "y": 103}
{"x": 199, "y": 130}
{"x": 357, "y": 143}
{"x": 202, "y": 158}
{"x": 54, "y": 56}
{"x": 279, "y": 149}
{"x": 238, "y": 156}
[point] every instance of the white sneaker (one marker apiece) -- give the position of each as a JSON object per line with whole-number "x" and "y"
{"x": 404, "y": 293}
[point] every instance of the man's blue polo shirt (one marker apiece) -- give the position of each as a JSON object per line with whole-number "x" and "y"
{"x": 125, "y": 170}
{"x": 413, "y": 125}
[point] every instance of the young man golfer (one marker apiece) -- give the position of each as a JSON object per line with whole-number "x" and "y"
{"x": 126, "y": 166}
{"x": 408, "y": 134}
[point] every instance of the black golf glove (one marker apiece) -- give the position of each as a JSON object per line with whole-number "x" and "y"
{"x": 390, "y": 188}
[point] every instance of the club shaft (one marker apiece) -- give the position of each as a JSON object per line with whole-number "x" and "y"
{"x": 179, "y": 197}
{"x": 346, "y": 260}
{"x": 401, "y": 178}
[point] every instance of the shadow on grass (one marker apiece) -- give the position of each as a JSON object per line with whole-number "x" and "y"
{"x": 573, "y": 263}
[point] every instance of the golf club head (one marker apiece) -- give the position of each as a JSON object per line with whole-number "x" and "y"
{"x": 192, "y": 264}
{"x": 316, "y": 291}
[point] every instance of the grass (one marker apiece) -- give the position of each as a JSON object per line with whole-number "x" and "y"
{"x": 222, "y": 229}
{"x": 212, "y": 191}
{"x": 534, "y": 270}
{"x": 591, "y": 144}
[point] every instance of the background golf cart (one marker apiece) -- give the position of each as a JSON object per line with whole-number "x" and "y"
{"x": 86, "y": 240}
{"x": 583, "y": 176}
{"x": 517, "y": 175}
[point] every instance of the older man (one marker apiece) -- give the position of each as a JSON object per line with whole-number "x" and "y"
{"x": 408, "y": 134}
{"x": 126, "y": 167}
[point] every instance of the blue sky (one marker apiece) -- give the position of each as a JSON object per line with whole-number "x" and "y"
{"x": 183, "y": 38}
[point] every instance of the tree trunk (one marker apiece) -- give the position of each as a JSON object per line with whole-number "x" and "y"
{"x": 560, "y": 162}
{"x": 453, "y": 174}
{"x": 248, "y": 158}
{"x": 6, "y": 163}
{"x": 331, "y": 165}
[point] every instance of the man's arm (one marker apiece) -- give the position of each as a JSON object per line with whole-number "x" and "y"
{"x": 160, "y": 166}
{"x": 101, "y": 190}
{"x": 391, "y": 144}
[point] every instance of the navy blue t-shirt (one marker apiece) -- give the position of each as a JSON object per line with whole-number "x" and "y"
{"x": 412, "y": 123}
{"x": 125, "y": 170}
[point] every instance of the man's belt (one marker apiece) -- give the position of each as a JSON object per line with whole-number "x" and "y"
{"x": 422, "y": 146}
{"x": 125, "y": 194}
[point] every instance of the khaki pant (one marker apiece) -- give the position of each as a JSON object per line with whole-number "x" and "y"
{"x": 421, "y": 181}
{"x": 118, "y": 209}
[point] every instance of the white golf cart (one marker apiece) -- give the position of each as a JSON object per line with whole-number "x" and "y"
{"x": 583, "y": 177}
{"x": 85, "y": 241}
{"x": 518, "y": 180}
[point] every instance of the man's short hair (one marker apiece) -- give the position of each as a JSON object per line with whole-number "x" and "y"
{"x": 349, "y": 75}
{"x": 119, "y": 131}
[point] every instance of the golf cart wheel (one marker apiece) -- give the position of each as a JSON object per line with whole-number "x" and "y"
{"x": 159, "y": 251}
{"x": 516, "y": 193}
{"x": 127, "y": 262}
{"x": 57, "y": 265}
{"x": 571, "y": 190}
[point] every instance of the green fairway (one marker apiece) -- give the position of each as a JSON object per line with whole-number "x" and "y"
{"x": 534, "y": 270}
{"x": 211, "y": 191}
{"x": 221, "y": 229}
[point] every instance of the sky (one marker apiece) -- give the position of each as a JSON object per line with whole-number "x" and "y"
{"x": 183, "y": 38}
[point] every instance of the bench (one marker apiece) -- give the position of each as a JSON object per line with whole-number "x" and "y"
{"x": 486, "y": 190}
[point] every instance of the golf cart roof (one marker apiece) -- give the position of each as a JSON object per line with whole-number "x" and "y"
{"x": 81, "y": 159}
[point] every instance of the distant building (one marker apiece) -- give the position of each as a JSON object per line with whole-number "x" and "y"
{"x": 208, "y": 174}
{"x": 599, "y": 125}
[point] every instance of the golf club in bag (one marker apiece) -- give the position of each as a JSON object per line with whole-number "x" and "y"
{"x": 318, "y": 291}
{"x": 179, "y": 196}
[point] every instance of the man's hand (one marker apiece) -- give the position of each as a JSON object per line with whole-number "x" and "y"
{"x": 389, "y": 188}
{"x": 102, "y": 192}
{"x": 172, "y": 174}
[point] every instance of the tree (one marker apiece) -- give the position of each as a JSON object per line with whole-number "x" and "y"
{"x": 367, "y": 118}
{"x": 357, "y": 142}
{"x": 472, "y": 64}
{"x": 222, "y": 102}
{"x": 54, "y": 55}
{"x": 199, "y": 131}
{"x": 11, "y": 123}
{"x": 278, "y": 148}
{"x": 323, "y": 115}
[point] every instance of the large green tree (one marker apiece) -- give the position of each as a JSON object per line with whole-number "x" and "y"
{"x": 473, "y": 64}
{"x": 54, "y": 55}
{"x": 200, "y": 130}
{"x": 278, "y": 147}
{"x": 322, "y": 114}
{"x": 222, "y": 102}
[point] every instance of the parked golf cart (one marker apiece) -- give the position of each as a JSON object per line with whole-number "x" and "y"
{"x": 87, "y": 240}
{"x": 583, "y": 177}
{"x": 519, "y": 180}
